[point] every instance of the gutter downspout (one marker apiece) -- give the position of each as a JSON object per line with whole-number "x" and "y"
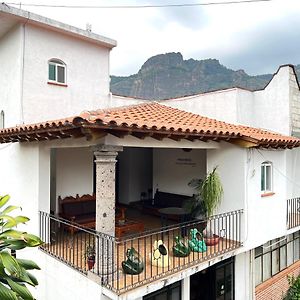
{"x": 23, "y": 43}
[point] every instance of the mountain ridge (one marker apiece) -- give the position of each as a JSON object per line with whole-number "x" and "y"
{"x": 168, "y": 75}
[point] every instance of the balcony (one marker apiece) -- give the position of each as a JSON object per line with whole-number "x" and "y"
{"x": 149, "y": 261}
{"x": 293, "y": 213}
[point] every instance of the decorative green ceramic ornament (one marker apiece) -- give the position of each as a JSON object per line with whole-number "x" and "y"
{"x": 196, "y": 243}
{"x": 134, "y": 264}
{"x": 180, "y": 249}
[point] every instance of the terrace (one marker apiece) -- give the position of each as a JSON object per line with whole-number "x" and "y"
{"x": 293, "y": 213}
{"x": 111, "y": 253}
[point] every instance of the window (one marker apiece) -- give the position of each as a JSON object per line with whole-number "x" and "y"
{"x": 57, "y": 71}
{"x": 276, "y": 255}
{"x": 2, "y": 124}
{"x": 266, "y": 177}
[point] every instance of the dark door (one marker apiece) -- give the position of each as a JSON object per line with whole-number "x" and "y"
{"x": 170, "y": 292}
{"x": 214, "y": 283}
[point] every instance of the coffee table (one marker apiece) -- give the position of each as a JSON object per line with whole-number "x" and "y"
{"x": 128, "y": 226}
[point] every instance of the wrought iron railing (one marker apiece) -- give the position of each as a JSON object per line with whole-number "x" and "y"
{"x": 293, "y": 213}
{"x": 126, "y": 263}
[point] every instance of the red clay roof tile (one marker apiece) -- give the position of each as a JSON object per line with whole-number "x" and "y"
{"x": 159, "y": 118}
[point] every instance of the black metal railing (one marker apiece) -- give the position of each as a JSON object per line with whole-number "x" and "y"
{"x": 126, "y": 263}
{"x": 293, "y": 212}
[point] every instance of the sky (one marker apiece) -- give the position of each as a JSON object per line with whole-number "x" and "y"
{"x": 256, "y": 37}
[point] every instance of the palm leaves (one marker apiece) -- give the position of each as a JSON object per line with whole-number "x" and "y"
{"x": 14, "y": 273}
{"x": 208, "y": 191}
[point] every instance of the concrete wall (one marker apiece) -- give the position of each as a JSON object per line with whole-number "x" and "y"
{"x": 135, "y": 173}
{"x": 173, "y": 169}
{"x": 10, "y": 76}
{"x": 74, "y": 171}
{"x": 87, "y": 75}
{"x": 272, "y": 103}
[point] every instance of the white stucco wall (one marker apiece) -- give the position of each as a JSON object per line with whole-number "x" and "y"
{"x": 87, "y": 75}
{"x": 63, "y": 282}
{"x": 10, "y": 75}
{"x": 293, "y": 173}
{"x": 231, "y": 163}
{"x": 272, "y": 104}
{"x": 220, "y": 105}
{"x": 74, "y": 171}
{"x": 19, "y": 177}
{"x": 244, "y": 288}
{"x": 173, "y": 169}
{"x": 117, "y": 101}
{"x": 266, "y": 215}
{"x": 256, "y": 109}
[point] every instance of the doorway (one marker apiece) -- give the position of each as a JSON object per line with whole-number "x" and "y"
{"x": 214, "y": 283}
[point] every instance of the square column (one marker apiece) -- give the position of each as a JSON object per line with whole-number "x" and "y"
{"x": 105, "y": 187}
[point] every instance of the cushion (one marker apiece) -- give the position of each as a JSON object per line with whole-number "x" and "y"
{"x": 72, "y": 208}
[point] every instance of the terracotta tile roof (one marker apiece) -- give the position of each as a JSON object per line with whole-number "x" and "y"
{"x": 152, "y": 119}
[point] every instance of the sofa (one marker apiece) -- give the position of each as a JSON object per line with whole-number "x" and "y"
{"x": 162, "y": 200}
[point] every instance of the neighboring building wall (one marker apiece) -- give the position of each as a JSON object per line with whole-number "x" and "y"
{"x": 279, "y": 101}
{"x": 294, "y": 103}
{"x": 272, "y": 103}
{"x": 276, "y": 287}
{"x": 173, "y": 169}
{"x": 117, "y": 101}
{"x": 87, "y": 75}
{"x": 10, "y": 76}
{"x": 220, "y": 105}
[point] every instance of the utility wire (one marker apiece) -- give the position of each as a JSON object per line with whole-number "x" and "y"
{"x": 137, "y": 6}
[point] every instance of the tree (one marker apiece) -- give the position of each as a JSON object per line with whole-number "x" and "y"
{"x": 14, "y": 275}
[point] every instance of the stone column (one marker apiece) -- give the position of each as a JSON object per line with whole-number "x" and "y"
{"x": 105, "y": 246}
{"x": 105, "y": 187}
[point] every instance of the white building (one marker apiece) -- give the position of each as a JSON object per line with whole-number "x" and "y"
{"x": 52, "y": 71}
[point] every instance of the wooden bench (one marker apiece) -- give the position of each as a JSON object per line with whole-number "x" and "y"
{"x": 79, "y": 210}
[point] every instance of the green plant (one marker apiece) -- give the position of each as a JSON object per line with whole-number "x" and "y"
{"x": 90, "y": 252}
{"x": 209, "y": 192}
{"x": 294, "y": 289}
{"x": 14, "y": 275}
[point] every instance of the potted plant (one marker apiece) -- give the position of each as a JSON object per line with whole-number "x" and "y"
{"x": 207, "y": 197}
{"x": 209, "y": 193}
{"x": 90, "y": 256}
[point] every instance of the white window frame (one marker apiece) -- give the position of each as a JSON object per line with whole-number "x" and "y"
{"x": 265, "y": 165}
{"x": 57, "y": 63}
{"x": 2, "y": 119}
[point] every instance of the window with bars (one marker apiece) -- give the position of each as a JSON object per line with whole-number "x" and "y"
{"x": 276, "y": 255}
{"x": 57, "y": 71}
{"x": 266, "y": 177}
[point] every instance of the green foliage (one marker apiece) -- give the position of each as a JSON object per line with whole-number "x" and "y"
{"x": 294, "y": 290}
{"x": 14, "y": 275}
{"x": 209, "y": 191}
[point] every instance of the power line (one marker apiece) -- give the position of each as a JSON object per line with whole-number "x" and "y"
{"x": 137, "y": 6}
